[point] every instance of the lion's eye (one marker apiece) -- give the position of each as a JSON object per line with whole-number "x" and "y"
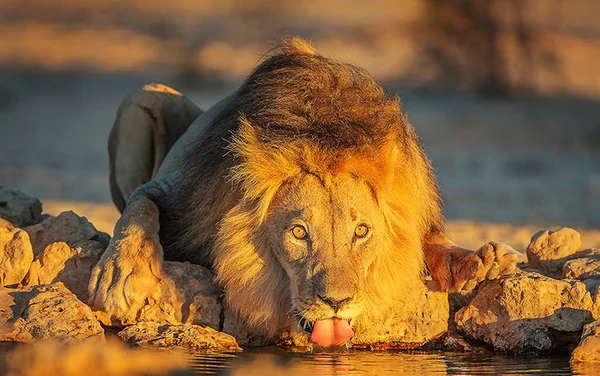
{"x": 361, "y": 231}
{"x": 299, "y": 232}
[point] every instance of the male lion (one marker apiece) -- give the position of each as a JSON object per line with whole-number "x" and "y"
{"x": 306, "y": 191}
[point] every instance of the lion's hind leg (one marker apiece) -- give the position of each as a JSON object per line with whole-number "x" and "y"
{"x": 147, "y": 124}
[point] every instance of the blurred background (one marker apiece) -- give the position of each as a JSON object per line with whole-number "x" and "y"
{"x": 504, "y": 93}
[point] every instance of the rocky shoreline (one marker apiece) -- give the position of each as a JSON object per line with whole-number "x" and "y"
{"x": 550, "y": 304}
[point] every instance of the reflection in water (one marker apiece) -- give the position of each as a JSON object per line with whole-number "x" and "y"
{"x": 266, "y": 362}
{"x": 114, "y": 358}
{"x": 278, "y": 362}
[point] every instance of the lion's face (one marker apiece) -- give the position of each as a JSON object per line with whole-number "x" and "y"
{"x": 325, "y": 236}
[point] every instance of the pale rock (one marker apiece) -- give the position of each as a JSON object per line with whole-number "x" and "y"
{"x": 46, "y": 312}
{"x": 197, "y": 299}
{"x": 584, "y": 265}
{"x": 181, "y": 335}
{"x": 67, "y": 227}
{"x": 549, "y": 250}
{"x": 421, "y": 318}
{"x": 589, "y": 347}
{"x": 16, "y": 254}
{"x": 526, "y": 312}
{"x": 18, "y": 208}
{"x": 72, "y": 266}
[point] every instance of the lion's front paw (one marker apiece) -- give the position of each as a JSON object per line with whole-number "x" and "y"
{"x": 466, "y": 269}
{"x": 501, "y": 258}
{"x": 127, "y": 274}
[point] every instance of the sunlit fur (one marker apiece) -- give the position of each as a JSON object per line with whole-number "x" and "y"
{"x": 299, "y": 114}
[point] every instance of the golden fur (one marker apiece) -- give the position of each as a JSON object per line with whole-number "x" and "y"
{"x": 300, "y": 114}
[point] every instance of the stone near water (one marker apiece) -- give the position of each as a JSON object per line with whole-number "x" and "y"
{"x": 18, "y": 208}
{"x": 196, "y": 299}
{"x": 527, "y": 312}
{"x": 549, "y": 250}
{"x": 71, "y": 265}
{"x": 589, "y": 347}
{"x": 200, "y": 295}
{"x": 584, "y": 265}
{"x": 67, "y": 227}
{"x": 181, "y": 335}
{"x": 421, "y": 318}
{"x": 16, "y": 254}
{"x": 46, "y": 312}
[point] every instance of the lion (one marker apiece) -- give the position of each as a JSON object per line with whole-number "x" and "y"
{"x": 306, "y": 191}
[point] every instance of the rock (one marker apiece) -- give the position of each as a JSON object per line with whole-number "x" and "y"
{"x": 584, "y": 265}
{"x": 201, "y": 295}
{"x": 549, "y": 250}
{"x": 205, "y": 310}
{"x": 72, "y": 266}
{"x": 457, "y": 343}
{"x": 67, "y": 227}
{"x": 183, "y": 335}
{"x": 18, "y": 208}
{"x": 591, "y": 285}
{"x": 93, "y": 359}
{"x": 419, "y": 320}
{"x": 196, "y": 300}
{"x": 16, "y": 254}
{"x": 526, "y": 312}
{"x": 589, "y": 347}
{"x": 46, "y": 312}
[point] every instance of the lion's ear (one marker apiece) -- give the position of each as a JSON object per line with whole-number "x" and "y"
{"x": 297, "y": 46}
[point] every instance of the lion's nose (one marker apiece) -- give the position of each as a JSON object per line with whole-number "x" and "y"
{"x": 335, "y": 303}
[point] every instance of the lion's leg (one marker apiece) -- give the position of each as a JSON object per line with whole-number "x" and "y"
{"x": 459, "y": 269}
{"x": 130, "y": 269}
{"x": 147, "y": 124}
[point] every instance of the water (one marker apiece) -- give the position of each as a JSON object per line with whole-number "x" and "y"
{"x": 115, "y": 358}
{"x": 264, "y": 362}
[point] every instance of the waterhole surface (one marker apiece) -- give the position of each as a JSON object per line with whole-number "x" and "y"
{"x": 272, "y": 361}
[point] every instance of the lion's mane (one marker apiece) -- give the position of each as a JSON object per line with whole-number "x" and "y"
{"x": 298, "y": 112}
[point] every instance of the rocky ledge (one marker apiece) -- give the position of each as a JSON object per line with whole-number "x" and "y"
{"x": 550, "y": 304}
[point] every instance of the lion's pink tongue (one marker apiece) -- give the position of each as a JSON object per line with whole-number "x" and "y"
{"x": 331, "y": 332}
